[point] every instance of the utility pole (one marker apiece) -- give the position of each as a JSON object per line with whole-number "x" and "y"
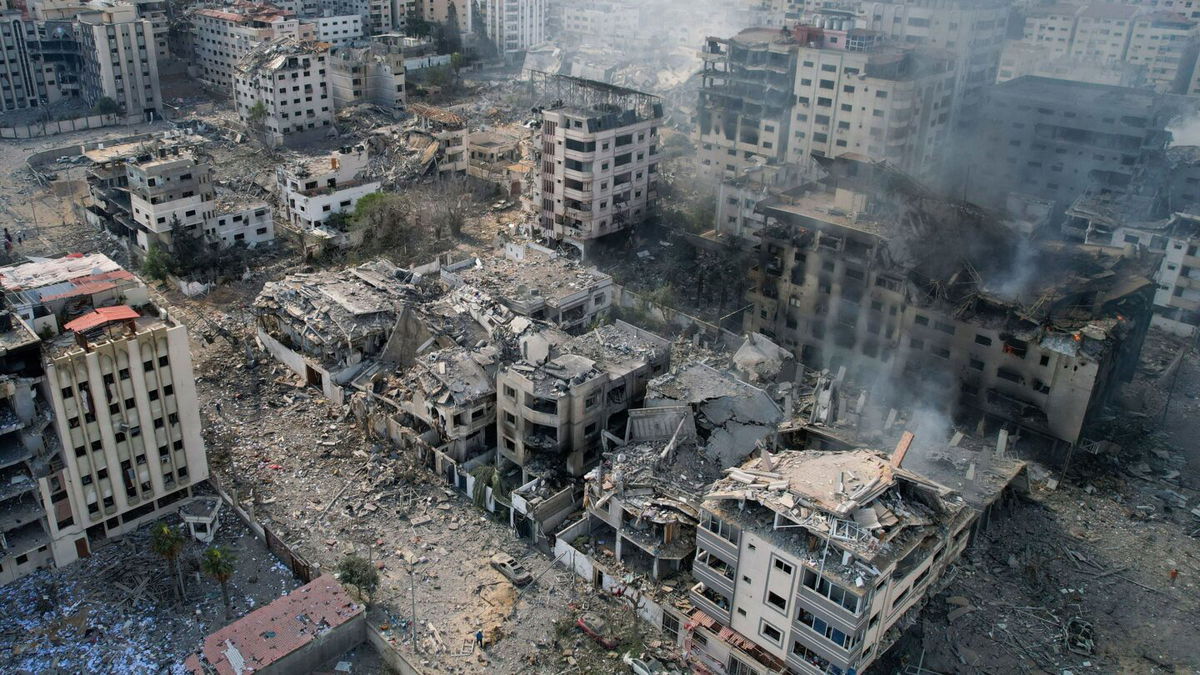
{"x": 412, "y": 586}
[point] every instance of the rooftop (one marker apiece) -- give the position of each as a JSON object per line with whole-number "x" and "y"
{"x": 270, "y": 633}
{"x": 1075, "y": 94}
{"x": 526, "y": 276}
{"x": 40, "y": 272}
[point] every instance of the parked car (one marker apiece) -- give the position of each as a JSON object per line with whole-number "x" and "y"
{"x": 597, "y": 630}
{"x": 511, "y": 569}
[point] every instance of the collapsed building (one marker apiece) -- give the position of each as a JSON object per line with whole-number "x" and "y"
{"x": 537, "y": 283}
{"x": 441, "y": 137}
{"x": 815, "y": 561}
{"x": 146, "y": 192}
{"x": 99, "y": 421}
{"x": 939, "y": 299}
{"x": 496, "y": 158}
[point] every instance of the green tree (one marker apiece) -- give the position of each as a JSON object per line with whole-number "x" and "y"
{"x": 217, "y": 563}
{"x": 359, "y": 573}
{"x": 167, "y": 542}
{"x": 157, "y": 263}
{"x": 257, "y": 114}
{"x": 105, "y": 106}
{"x": 457, "y": 60}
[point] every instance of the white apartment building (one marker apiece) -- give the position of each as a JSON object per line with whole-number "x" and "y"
{"x": 313, "y": 190}
{"x": 120, "y": 61}
{"x": 854, "y": 95}
{"x": 177, "y": 188}
{"x": 339, "y": 30}
{"x": 118, "y": 390}
{"x": 378, "y": 16}
{"x": 220, "y": 37}
{"x": 281, "y": 91}
{"x": 599, "y": 161}
{"x": 515, "y": 25}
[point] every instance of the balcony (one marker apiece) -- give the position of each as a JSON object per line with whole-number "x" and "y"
{"x": 834, "y": 614}
{"x": 706, "y": 600}
{"x": 712, "y": 578}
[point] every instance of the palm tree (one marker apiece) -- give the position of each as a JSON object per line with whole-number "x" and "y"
{"x": 167, "y": 542}
{"x": 217, "y": 563}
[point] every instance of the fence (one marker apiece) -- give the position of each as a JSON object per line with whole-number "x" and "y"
{"x": 300, "y": 567}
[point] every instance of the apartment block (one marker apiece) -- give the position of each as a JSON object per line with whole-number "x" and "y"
{"x": 445, "y": 12}
{"x": 315, "y": 189}
{"x": 176, "y": 189}
{"x": 120, "y": 61}
{"x": 377, "y": 16}
{"x": 514, "y": 25}
{"x": 374, "y": 73}
{"x": 853, "y": 94}
{"x": 1126, "y": 221}
{"x": 1161, "y": 42}
{"x": 281, "y": 91}
{"x": 553, "y": 404}
{"x": 1022, "y": 58}
{"x": 122, "y": 428}
{"x": 496, "y": 157}
{"x": 747, "y": 91}
{"x": 598, "y": 160}
{"x": 738, "y": 198}
{"x": 971, "y": 32}
{"x": 809, "y": 561}
{"x": 846, "y": 283}
{"x": 338, "y": 30}
{"x": 221, "y": 37}
{"x": 1057, "y": 139}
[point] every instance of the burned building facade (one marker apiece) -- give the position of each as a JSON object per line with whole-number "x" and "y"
{"x": 872, "y": 272}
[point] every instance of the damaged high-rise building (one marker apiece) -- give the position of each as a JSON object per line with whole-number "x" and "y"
{"x": 598, "y": 159}
{"x": 111, "y": 440}
{"x": 871, "y": 271}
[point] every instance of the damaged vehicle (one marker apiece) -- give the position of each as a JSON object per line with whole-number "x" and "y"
{"x": 511, "y": 569}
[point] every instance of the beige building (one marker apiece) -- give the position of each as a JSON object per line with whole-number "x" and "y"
{"x": 553, "y": 405}
{"x": 855, "y": 95}
{"x": 599, "y": 160}
{"x": 372, "y": 74}
{"x": 118, "y": 383}
{"x": 496, "y": 157}
{"x": 807, "y": 561}
{"x": 120, "y": 61}
{"x": 221, "y": 37}
{"x": 281, "y": 91}
{"x": 443, "y": 11}
{"x": 445, "y": 151}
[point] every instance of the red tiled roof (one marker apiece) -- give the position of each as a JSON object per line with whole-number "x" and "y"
{"x": 82, "y": 289}
{"x": 269, "y": 633}
{"x": 102, "y": 316}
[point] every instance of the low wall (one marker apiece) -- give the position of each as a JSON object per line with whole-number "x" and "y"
{"x": 55, "y": 127}
{"x": 391, "y": 657}
{"x": 322, "y": 649}
{"x": 300, "y": 567}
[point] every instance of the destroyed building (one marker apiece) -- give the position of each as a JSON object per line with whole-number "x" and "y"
{"x": 555, "y": 402}
{"x": 538, "y": 283}
{"x": 373, "y": 74}
{"x": 814, "y": 561}
{"x": 441, "y": 137}
{"x": 112, "y": 439}
{"x": 328, "y": 326}
{"x": 599, "y": 156}
{"x": 730, "y": 416}
{"x": 314, "y": 189}
{"x": 140, "y": 191}
{"x": 643, "y": 499}
{"x": 1128, "y": 221}
{"x": 281, "y": 91}
{"x": 873, "y": 272}
{"x": 496, "y": 158}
